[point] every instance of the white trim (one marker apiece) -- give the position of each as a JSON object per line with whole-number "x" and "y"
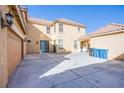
{"x": 16, "y": 30}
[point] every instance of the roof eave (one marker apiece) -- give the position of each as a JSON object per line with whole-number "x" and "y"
{"x": 20, "y": 16}
{"x": 107, "y": 33}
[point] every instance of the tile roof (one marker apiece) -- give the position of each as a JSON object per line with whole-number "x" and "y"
{"x": 84, "y": 37}
{"x": 110, "y": 28}
{"x": 62, "y": 20}
{"x": 40, "y": 21}
{"x": 107, "y": 29}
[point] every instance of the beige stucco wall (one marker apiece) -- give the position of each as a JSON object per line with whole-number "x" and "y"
{"x": 69, "y": 34}
{"x": 10, "y": 47}
{"x": 114, "y": 43}
{"x": 37, "y": 32}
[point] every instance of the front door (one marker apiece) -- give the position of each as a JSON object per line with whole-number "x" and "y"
{"x": 44, "y": 46}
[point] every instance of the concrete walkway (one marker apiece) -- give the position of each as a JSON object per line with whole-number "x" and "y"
{"x": 76, "y": 70}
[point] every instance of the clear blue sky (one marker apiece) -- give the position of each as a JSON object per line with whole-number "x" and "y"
{"x": 93, "y": 17}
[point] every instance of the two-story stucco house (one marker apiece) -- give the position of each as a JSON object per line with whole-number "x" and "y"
{"x": 58, "y": 36}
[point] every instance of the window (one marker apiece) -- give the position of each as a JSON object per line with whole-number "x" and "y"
{"x": 54, "y": 28}
{"x": 48, "y": 30}
{"x": 60, "y": 27}
{"x": 78, "y": 29}
{"x": 75, "y": 44}
{"x": 60, "y": 44}
{"x": 28, "y": 41}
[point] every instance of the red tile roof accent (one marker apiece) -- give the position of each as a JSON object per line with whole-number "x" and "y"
{"x": 109, "y": 28}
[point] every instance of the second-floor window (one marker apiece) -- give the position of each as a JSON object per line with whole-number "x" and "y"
{"x": 48, "y": 30}
{"x": 60, "y": 43}
{"x": 60, "y": 27}
{"x": 54, "y": 28}
{"x": 75, "y": 44}
{"x": 78, "y": 29}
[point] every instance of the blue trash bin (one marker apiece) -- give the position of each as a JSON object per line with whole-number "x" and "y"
{"x": 101, "y": 53}
{"x": 105, "y": 54}
{"x": 95, "y": 52}
{"x": 98, "y": 54}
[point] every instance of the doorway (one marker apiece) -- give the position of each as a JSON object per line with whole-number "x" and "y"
{"x": 44, "y": 46}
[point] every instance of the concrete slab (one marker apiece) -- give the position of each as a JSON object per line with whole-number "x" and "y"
{"x": 54, "y": 80}
{"x": 25, "y": 76}
{"x": 77, "y": 83}
{"x": 117, "y": 70}
{"x": 67, "y": 70}
{"x": 85, "y": 70}
{"x": 104, "y": 80}
{"x": 108, "y": 64}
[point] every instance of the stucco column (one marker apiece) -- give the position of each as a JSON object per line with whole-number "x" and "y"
{"x": 3, "y": 54}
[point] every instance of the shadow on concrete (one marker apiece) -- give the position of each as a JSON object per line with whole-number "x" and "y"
{"x": 120, "y": 57}
{"x": 42, "y": 71}
{"x": 32, "y": 67}
{"x": 94, "y": 75}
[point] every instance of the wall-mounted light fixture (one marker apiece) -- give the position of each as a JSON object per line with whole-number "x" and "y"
{"x": 8, "y": 21}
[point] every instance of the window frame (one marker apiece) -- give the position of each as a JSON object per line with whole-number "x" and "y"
{"x": 78, "y": 29}
{"x": 60, "y": 43}
{"x": 61, "y": 28}
{"x": 75, "y": 44}
{"x": 48, "y": 30}
{"x": 54, "y": 28}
